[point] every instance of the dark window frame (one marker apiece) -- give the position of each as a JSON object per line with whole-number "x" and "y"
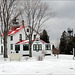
{"x": 17, "y": 47}
{"x": 1, "y": 49}
{"x": 20, "y": 37}
{"x": 40, "y": 47}
{"x": 36, "y": 47}
{"x": 27, "y": 30}
{"x": 11, "y": 38}
{"x": 34, "y": 36}
{"x": 47, "y": 46}
{"x": 25, "y": 49}
{"x": 11, "y": 46}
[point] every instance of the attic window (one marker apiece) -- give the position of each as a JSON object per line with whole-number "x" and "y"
{"x": 27, "y": 30}
{"x": 20, "y": 36}
{"x": 34, "y": 36}
{"x": 11, "y": 38}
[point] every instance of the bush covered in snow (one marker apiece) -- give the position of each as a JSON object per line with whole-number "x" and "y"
{"x": 40, "y": 57}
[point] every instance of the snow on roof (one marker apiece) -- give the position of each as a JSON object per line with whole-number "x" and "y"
{"x": 44, "y": 41}
{"x": 27, "y": 41}
{"x": 16, "y": 30}
{"x": 23, "y": 42}
{"x": 41, "y": 41}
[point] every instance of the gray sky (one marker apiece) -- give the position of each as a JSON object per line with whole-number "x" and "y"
{"x": 64, "y": 18}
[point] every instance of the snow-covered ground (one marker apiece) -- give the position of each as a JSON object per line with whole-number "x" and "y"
{"x": 64, "y": 65}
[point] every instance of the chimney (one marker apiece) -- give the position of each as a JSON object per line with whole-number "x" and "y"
{"x": 22, "y": 23}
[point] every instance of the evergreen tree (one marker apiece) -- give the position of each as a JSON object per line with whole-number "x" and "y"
{"x": 71, "y": 45}
{"x": 67, "y": 42}
{"x": 73, "y": 41}
{"x": 44, "y": 36}
{"x": 63, "y": 42}
{"x": 69, "y": 49}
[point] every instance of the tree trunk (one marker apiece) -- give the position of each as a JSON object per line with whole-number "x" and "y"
{"x": 30, "y": 46}
{"x": 5, "y": 47}
{"x": 30, "y": 51}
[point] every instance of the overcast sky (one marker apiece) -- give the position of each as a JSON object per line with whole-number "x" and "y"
{"x": 64, "y": 18}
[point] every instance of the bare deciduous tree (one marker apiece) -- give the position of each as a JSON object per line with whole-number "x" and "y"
{"x": 36, "y": 13}
{"x": 9, "y": 9}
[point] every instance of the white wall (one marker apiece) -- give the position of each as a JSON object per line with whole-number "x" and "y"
{"x": 37, "y": 53}
{"x": 16, "y": 39}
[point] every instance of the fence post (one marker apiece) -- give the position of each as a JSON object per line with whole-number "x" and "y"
{"x": 73, "y": 53}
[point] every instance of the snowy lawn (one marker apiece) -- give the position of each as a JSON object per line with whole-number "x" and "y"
{"x": 64, "y": 65}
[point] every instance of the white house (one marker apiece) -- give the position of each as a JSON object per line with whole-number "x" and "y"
{"x": 19, "y": 43}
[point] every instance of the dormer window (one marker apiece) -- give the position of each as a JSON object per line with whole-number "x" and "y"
{"x": 27, "y": 30}
{"x": 11, "y": 38}
{"x": 20, "y": 37}
{"x": 34, "y": 36}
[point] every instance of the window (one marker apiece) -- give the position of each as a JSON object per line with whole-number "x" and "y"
{"x": 11, "y": 46}
{"x": 11, "y": 38}
{"x": 47, "y": 46}
{"x": 17, "y": 47}
{"x": 20, "y": 37}
{"x": 25, "y": 47}
{"x": 1, "y": 49}
{"x": 27, "y": 30}
{"x": 39, "y": 47}
{"x": 35, "y": 46}
{"x": 34, "y": 36}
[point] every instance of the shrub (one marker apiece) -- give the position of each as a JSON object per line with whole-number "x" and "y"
{"x": 40, "y": 58}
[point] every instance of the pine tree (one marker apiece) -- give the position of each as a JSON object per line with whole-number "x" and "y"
{"x": 44, "y": 36}
{"x": 63, "y": 42}
{"x": 69, "y": 49}
{"x": 71, "y": 45}
{"x": 67, "y": 42}
{"x": 73, "y": 41}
